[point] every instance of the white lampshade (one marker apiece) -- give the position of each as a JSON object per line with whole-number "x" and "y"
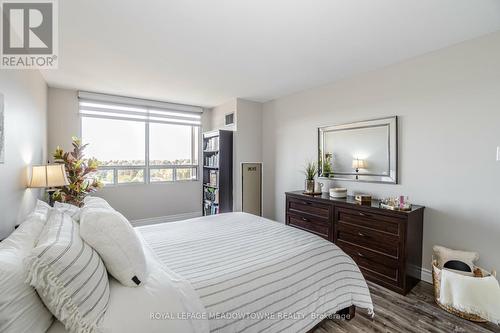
{"x": 53, "y": 175}
{"x": 358, "y": 164}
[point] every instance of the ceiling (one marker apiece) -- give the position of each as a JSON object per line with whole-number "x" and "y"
{"x": 207, "y": 52}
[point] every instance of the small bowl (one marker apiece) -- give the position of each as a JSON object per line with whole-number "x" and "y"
{"x": 338, "y": 192}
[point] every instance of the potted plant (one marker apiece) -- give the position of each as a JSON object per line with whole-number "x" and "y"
{"x": 327, "y": 165}
{"x": 80, "y": 173}
{"x": 310, "y": 172}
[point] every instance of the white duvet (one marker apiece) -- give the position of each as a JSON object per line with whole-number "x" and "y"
{"x": 235, "y": 272}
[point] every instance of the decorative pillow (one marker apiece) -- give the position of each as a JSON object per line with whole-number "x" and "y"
{"x": 112, "y": 236}
{"x": 69, "y": 275}
{"x": 21, "y": 310}
{"x": 444, "y": 255}
{"x": 96, "y": 202}
{"x": 71, "y": 210}
{"x": 41, "y": 210}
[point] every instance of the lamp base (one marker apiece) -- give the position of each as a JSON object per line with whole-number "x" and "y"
{"x": 50, "y": 191}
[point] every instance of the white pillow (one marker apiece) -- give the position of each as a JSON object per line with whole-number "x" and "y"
{"x": 21, "y": 310}
{"x": 111, "y": 234}
{"x": 443, "y": 255}
{"x": 42, "y": 210}
{"x": 96, "y": 202}
{"x": 69, "y": 275}
{"x": 69, "y": 209}
{"x": 162, "y": 291}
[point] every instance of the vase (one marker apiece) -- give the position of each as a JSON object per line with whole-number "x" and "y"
{"x": 309, "y": 186}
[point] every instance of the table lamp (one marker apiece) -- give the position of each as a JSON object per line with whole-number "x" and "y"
{"x": 358, "y": 164}
{"x": 48, "y": 176}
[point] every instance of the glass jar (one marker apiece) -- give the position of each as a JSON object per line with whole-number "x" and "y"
{"x": 309, "y": 186}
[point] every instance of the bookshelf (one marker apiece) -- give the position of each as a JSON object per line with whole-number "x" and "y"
{"x": 217, "y": 172}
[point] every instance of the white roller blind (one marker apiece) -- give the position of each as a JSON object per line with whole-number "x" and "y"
{"x": 125, "y": 108}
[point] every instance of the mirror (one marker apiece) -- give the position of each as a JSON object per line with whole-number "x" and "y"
{"x": 362, "y": 151}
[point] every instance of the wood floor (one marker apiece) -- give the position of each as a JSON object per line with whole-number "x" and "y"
{"x": 415, "y": 312}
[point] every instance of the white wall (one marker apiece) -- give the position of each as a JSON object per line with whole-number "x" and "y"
{"x": 219, "y": 112}
{"x": 449, "y": 108}
{"x": 63, "y": 120}
{"x": 25, "y": 95}
{"x": 135, "y": 201}
{"x": 247, "y": 142}
{"x": 247, "y": 137}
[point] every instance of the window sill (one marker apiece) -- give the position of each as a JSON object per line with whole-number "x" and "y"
{"x": 151, "y": 183}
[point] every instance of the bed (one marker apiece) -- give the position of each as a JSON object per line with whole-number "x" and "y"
{"x": 249, "y": 274}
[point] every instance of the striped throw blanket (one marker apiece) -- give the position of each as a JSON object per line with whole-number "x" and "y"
{"x": 256, "y": 275}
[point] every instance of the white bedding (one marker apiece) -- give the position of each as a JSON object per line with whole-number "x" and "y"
{"x": 140, "y": 309}
{"x": 253, "y": 274}
{"x": 241, "y": 264}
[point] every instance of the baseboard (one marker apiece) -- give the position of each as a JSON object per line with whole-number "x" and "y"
{"x": 426, "y": 275}
{"x": 164, "y": 219}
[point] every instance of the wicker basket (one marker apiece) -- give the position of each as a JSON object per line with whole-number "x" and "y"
{"x": 436, "y": 279}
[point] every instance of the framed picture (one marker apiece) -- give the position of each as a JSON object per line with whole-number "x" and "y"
{"x": 2, "y": 130}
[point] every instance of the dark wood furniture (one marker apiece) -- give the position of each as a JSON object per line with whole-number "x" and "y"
{"x": 218, "y": 197}
{"x": 385, "y": 244}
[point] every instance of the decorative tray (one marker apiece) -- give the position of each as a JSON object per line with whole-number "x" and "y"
{"x": 312, "y": 193}
{"x": 386, "y": 206}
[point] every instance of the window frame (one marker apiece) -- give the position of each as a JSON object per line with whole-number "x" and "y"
{"x": 195, "y": 134}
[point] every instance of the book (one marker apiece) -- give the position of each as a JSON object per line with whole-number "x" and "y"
{"x": 214, "y": 175}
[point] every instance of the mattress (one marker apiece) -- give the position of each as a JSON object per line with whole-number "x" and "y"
{"x": 256, "y": 275}
{"x": 247, "y": 273}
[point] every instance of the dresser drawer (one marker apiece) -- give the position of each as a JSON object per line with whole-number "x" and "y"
{"x": 386, "y": 245}
{"x": 299, "y": 206}
{"x": 318, "y": 226}
{"x": 372, "y": 264}
{"x": 383, "y": 223}
{"x": 380, "y": 242}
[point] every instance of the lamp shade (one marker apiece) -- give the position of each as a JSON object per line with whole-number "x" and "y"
{"x": 53, "y": 175}
{"x": 358, "y": 164}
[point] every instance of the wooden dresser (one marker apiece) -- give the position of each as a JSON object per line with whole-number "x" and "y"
{"x": 386, "y": 245}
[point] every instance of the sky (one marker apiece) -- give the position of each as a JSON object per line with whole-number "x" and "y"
{"x": 125, "y": 140}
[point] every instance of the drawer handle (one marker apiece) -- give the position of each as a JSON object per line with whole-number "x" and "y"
{"x": 360, "y": 255}
{"x": 364, "y": 214}
{"x": 305, "y": 219}
{"x": 306, "y": 202}
{"x": 361, "y": 234}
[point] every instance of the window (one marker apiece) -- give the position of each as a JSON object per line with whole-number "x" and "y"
{"x": 139, "y": 141}
{"x": 115, "y": 142}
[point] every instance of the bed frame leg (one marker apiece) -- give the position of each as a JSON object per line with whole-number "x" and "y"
{"x": 348, "y": 313}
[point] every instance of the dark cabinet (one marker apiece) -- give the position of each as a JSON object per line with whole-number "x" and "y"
{"x": 385, "y": 244}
